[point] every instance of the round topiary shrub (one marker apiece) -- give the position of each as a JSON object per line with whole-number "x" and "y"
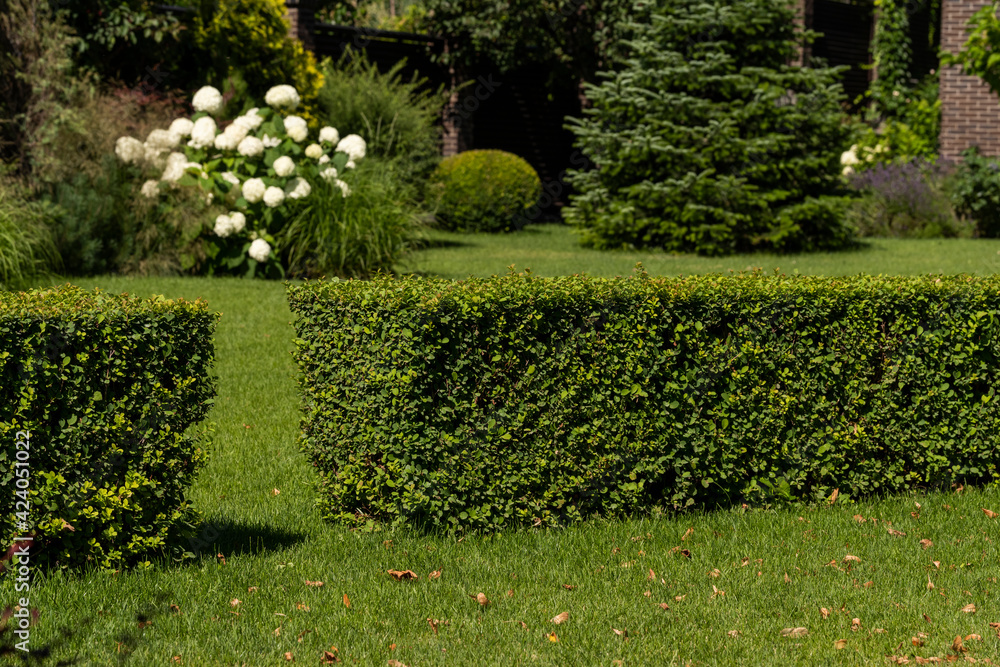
{"x": 483, "y": 191}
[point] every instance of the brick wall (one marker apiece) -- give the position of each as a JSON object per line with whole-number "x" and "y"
{"x": 970, "y": 113}
{"x": 301, "y": 15}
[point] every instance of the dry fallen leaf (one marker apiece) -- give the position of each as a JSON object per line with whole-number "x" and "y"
{"x": 717, "y": 592}
{"x": 436, "y": 574}
{"x": 317, "y": 584}
{"x": 930, "y": 584}
{"x": 301, "y": 606}
{"x": 277, "y": 631}
{"x": 733, "y": 633}
{"x": 869, "y": 584}
{"x": 302, "y": 634}
{"x": 687, "y": 534}
{"x": 481, "y": 599}
{"x": 347, "y": 601}
{"x": 840, "y": 644}
{"x": 648, "y": 594}
{"x": 937, "y": 564}
{"x": 433, "y": 622}
{"x": 561, "y": 618}
{"x": 855, "y": 624}
{"x": 990, "y": 513}
{"x": 788, "y": 579}
{"x": 553, "y": 637}
{"x": 664, "y": 606}
{"x": 510, "y": 592}
{"x": 275, "y": 492}
{"x": 859, "y": 518}
{"x": 926, "y": 544}
{"x": 849, "y": 557}
{"x": 678, "y": 598}
{"x": 995, "y": 626}
{"x": 289, "y": 657}
{"x": 973, "y": 638}
{"x": 233, "y": 602}
{"x": 620, "y": 633}
{"x": 328, "y": 658}
{"x": 144, "y": 624}
{"x": 523, "y": 624}
{"x": 833, "y": 496}
{"x": 916, "y": 641}
{"x": 879, "y": 631}
{"x": 969, "y": 608}
{"x": 794, "y": 632}
{"x": 896, "y": 533}
{"x": 174, "y": 608}
{"x": 221, "y": 559}
{"x": 652, "y": 575}
{"x": 715, "y": 573}
{"x": 824, "y": 612}
{"x": 685, "y": 553}
{"x": 927, "y": 618}
{"x": 401, "y": 575}
{"x": 568, "y": 587}
{"x": 395, "y": 663}
{"x": 956, "y": 645}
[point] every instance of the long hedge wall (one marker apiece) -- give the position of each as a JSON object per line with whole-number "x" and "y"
{"x": 519, "y": 401}
{"x": 100, "y": 400}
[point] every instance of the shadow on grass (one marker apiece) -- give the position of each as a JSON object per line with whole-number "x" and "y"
{"x": 233, "y": 538}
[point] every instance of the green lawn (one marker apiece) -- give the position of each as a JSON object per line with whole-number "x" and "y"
{"x": 773, "y": 569}
{"x": 550, "y": 250}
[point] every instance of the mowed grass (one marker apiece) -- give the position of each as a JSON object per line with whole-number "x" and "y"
{"x": 553, "y": 250}
{"x": 750, "y": 574}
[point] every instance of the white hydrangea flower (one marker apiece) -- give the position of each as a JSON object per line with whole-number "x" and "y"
{"x": 848, "y": 170}
{"x": 223, "y": 226}
{"x": 349, "y": 164}
{"x": 329, "y": 173}
{"x": 203, "y": 133}
{"x": 314, "y": 151}
{"x": 164, "y": 139}
{"x": 230, "y": 177}
{"x": 353, "y": 145}
{"x": 154, "y": 156}
{"x": 273, "y": 196}
{"x": 284, "y": 166}
{"x": 209, "y": 198}
{"x": 237, "y": 221}
{"x": 260, "y": 250}
{"x": 270, "y": 142}
{"x": 253, "y": 190}
{"x": 250, "y": 120}
{"x": 181, "y": 127}
{"x": 298, "y": 188}
{"x": 850, "y": 156}
{"x": 324, "y": 159}
{"x": 177, "y": 163}
{"x": 207, "y": 99}
{"x": 283, "y": 97}
{"x": 150, "y": 189}
{"x": 343, "y": 187}
{"x": 224, "y": 142}
{"x": 251, "y": 147}
{"x": 234, "y": 134}
{"x": 329, "y": 134}
{"x": 129, "y": 150}
{"x": 296, "y": 128}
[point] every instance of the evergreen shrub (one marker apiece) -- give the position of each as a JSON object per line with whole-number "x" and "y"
{"x": 703, "y": 136}
{"x": 520, "y": 401}
{"x": 483, "y": 191}
{"x": 110, "y": 390}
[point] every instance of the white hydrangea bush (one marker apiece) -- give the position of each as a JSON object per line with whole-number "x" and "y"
{"x": 262, "y": 166}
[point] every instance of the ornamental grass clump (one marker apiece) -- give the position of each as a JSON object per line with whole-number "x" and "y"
{"x": 259, "y": 167}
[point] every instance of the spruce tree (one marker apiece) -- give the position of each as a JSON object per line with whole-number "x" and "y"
{"x": 703, "y": 138}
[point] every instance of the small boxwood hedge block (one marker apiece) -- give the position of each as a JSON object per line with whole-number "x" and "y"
{"x": 110, "y": 390}
{"x": 502, "y": 402}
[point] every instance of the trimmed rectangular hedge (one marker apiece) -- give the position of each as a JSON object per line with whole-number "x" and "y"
{"x": 108, "y": 387}
{"x": 513, "y": 400}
